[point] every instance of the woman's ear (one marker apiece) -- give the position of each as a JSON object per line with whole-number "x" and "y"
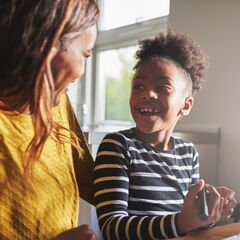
{"x": 53, "y": 51}
{"x": 52, "y": 54}
{"x": 185, "y": 110}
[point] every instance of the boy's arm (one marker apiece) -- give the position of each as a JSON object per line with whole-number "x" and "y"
{"x": 111, "y": 198}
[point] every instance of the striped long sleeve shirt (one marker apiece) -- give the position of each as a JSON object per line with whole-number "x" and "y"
{"x": 140, "y": 189}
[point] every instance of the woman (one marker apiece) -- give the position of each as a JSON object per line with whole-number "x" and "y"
{"x": 44, "y": 160}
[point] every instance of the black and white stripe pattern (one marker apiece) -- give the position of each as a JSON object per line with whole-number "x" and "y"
{"x": 139, "y": 189}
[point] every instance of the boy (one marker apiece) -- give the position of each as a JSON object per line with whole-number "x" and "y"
{"x": 146, "y": 180}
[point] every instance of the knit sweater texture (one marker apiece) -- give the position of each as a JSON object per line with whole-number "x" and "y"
{"x": 46, "y": 203}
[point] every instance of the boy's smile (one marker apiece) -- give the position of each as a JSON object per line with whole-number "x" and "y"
{"x": 148, "y": 111}
{"x": 159, "y": 92}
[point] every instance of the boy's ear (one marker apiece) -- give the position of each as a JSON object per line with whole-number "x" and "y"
{"x": 185, "y": 110}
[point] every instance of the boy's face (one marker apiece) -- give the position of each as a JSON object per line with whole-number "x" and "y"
{"x": 158, "y": 96}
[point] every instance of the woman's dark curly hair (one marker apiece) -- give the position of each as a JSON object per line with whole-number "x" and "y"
{"x": 179, "y": 48}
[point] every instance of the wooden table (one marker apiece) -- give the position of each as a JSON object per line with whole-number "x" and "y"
{"x": 216, "y": 233}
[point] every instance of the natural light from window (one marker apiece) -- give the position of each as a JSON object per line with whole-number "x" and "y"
{"x": 115, "y": 70}
{"x": 121, "y": 13}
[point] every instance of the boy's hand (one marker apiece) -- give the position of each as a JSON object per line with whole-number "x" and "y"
{"x": 230, "y": 202}
{"x": 188, "y": 218}
{"x": 83, "y": 232}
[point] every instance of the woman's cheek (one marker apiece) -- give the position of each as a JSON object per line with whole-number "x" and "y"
{"x": 81, "y": 67}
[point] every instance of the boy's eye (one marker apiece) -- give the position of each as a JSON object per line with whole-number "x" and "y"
{"x": 164, "y": 88}
{"x": 137, "y": 87}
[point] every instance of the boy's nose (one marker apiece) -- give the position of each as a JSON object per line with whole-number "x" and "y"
{"x": 150, "y": 94}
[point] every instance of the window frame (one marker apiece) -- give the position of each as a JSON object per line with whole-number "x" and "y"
{"x": 92, "y": 90}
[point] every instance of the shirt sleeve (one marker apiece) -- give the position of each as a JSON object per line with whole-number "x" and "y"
{"x": 82, "y": 161}
{"x": 111, "y": 184}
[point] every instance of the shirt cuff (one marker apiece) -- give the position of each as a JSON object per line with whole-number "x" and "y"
{"x": 179, "y": 234}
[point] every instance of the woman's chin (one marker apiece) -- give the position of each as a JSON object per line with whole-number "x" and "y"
{"x": 56, "y": 102}
{"x": 58, "y": 96}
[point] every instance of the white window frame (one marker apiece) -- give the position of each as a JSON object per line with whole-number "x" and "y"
{"x": 92, "y": 90}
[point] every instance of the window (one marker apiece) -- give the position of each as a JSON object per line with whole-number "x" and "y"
{"x": 116, "y": 14}
{"x": 115, "y": 71}
{"x": 104, "y": 95}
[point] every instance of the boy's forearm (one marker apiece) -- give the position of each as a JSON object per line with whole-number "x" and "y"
{"x": 140, "y": 227}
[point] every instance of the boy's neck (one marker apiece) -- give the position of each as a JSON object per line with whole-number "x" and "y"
{"x": 160, "y": 139}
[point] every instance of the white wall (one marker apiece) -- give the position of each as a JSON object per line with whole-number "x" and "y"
{"x": 215, "y": 25}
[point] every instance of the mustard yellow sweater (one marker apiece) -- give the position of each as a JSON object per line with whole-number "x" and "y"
{"x": 46, "y": 203}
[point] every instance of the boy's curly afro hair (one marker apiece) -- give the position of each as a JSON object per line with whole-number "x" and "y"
{"x": 181, "y": 49}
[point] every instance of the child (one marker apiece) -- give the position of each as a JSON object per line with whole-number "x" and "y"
{"x": 147, "y": 180}
{"x": 44, "y": 45}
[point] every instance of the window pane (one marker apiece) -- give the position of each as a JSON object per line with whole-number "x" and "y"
{"x": 115, "y": 70}
{"x": 124, "y": 12}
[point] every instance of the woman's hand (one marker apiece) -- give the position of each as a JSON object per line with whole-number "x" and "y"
{"x": 83, "y": 232}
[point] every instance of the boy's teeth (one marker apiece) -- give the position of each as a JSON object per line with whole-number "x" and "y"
{"x": 149, "y": 110}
